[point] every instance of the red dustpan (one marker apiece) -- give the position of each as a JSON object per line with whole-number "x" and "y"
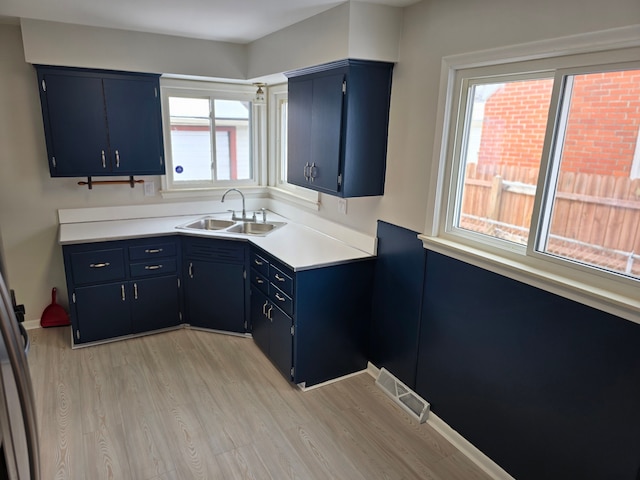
{"x": 54, "y": 315}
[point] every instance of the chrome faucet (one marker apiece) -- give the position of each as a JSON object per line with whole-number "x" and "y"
{"x": 244, "y": 212}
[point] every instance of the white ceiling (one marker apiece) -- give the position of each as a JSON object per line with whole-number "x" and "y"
{"x": 238, "y": 21}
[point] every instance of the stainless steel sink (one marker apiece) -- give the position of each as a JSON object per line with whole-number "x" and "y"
{"x": 208, "y": 223}
{"x": 254, "y": 228}
{"x": 231, "y": 226}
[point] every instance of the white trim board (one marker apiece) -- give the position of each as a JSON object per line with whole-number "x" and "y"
{"x": 474, "y": 454}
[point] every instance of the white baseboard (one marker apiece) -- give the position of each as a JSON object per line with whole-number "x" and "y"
{"x": 487, "y": 465}
{"x": 302, "y": 386}
{"x": 31, "y": 324}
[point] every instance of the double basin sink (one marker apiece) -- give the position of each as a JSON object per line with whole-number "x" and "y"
{"x": 232, "y": 226}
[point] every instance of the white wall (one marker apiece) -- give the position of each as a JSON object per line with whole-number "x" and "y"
{"x": 431, "y": 29}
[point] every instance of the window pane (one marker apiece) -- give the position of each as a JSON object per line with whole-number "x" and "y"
{"x": 190, "y": 139}
{"x": 500, "y": 161}
{"x": 233, "y": 140}
{"x": 596, "y": 203}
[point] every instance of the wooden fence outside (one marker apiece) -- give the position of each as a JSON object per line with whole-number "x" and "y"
{"x": 596, "y": 217}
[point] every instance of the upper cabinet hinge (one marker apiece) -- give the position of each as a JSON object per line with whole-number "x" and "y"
{"x": 179, "y": 283}
{"x": 155, "y": 91}
{"x": 293, "y": 371}
{"x": 73, "y": 296}
{"x": 53, "y": 162}
{"x": 245, "y": 325}
{"x": 180, "y": 315}
{"x": 78, "y": 334}
{"x": 340, "y": 180}
{"x": 344, "y": 86}
{"x": 161, "y": 160}
{"x": 44, "y": 85}
{"x": 293, "y": 329}
{"x": 244, "y": 274}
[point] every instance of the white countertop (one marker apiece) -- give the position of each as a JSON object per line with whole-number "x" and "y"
{"x": 296, "y": 245}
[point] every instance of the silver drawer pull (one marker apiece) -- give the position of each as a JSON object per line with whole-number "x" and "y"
{"x": 152, "y": 267}
{"x": 99, "y": 265}
{"x": 282, "y": 299}
{"x": 279, "y": 278}
{"x": 153, "y": 250}
{"x": 258, "y": 262}
{"x": 259, "y": 281}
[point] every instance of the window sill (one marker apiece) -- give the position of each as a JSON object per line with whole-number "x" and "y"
{"x": 213, "y": 191}
{"x": 308, "y": 199}
{"x": 601, "y": 299}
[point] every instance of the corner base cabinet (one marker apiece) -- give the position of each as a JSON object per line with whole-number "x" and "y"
{"x": 338, "y": 123}
{"x": 101, "y": 123}
{"x": 216, "y": 290}
{"x": 122, "y": 288}
{"x": 312, "y": 324}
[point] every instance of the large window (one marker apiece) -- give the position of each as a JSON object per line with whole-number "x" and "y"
{"x": 210, "y": 135}
{"x": 542, "y": 161}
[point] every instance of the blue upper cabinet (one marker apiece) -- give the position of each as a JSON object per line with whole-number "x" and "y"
{"x": 101, "y": 123}
{"x": 338, "y": 122}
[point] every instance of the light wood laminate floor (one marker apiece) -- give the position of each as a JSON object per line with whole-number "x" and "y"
{"x": 189, "y": 405}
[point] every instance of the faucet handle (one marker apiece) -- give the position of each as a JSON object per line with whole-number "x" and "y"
{"x": 233, "y": 214}
{"x": 264, "y": 214}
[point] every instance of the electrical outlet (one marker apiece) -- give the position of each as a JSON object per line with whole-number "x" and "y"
{"x": 342, "y": 205}
{"x": 149, "y": 189}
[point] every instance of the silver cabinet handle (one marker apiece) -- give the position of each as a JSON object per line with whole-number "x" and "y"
{"x": 264, "y": 308}
{"x": 117, "y": 159}
{"x": 282, "y": 299}
{"x": 104, "y": 160}
{"x": 258, "y": 262}
{"x": 99, "y": 265}
{"x": 152, "y": 267}
{"x": 135, "y": 291}
{"x": 190, "y": 270}
{"x": 269, "y": 313}
{"x": 312, "y": 171}
{"x": 153, "y": 250}
{"x": 279, "y": 278}
{"x": 122, "y": 293}
{"x": 259, "y": 281}
{"x": 306, "y": 171}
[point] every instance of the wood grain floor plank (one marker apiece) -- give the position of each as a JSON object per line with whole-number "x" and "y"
{"x": 188, "y": 404}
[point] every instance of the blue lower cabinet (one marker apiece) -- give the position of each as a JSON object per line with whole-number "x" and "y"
{"x": 216, "y": 290}
{"x": 116, "y": 292}
{"x": 312, "y": 324}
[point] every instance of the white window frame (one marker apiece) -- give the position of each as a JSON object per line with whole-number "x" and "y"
{"x": 220, "y": 91}
{"x": 606, "y": 291}
{"x": 278, "y": 186}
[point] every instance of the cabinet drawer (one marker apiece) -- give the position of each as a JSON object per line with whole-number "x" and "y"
{"x": 259, "y": 281}
{"x": 152, "y": 250}
{"x": 161, "y": 266}
{"x": 260, "y": 264}
{"x": 281, "y": 280}
{"x": 281, "y": 299}
{"x": 98, "y": 266}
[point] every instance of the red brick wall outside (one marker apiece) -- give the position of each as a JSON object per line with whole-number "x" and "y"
{"x": 602, "y": 128}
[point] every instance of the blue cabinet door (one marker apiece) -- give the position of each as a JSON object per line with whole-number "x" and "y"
{"x": 281, "y": 341}
{"x": 215, "y": 295}
{"x": 155, "y": 303}
{"x": 74, "y": 113}
{"x": 135, "y": 130}
{"x": 260, "y": 324}
{"x": 102, "y": 311}
{"x": 326, "y": 129}
{"x": 299, "y": 128}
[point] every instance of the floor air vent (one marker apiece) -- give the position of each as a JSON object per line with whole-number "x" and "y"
{"x": 403, "y": 396}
